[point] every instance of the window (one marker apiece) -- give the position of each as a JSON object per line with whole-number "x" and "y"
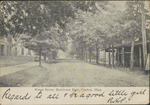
{"x": 22, "y": 51}
{"x": 15, "y": 51}
{"x": 29, "y": 52}
{"x": 1, "y": 50}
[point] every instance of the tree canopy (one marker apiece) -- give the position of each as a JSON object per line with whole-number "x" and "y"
{"x": 42, "y": 25}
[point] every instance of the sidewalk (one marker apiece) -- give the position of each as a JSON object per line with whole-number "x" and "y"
{"x": 15, "y": 68}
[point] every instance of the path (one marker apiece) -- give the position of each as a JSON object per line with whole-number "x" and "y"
{"x": 15, "y": 68}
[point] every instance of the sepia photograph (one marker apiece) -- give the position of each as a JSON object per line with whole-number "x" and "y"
{"x": 74, "y": 43}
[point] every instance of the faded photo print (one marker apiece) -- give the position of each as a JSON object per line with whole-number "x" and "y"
{"x": 74, "y": 43}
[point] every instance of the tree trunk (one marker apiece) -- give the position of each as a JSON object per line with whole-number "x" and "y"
{"x": 90, "y": 54}
{"x": 118, "y": 62}
{"x": 45, "y": 58}
{"x": 112, "y": 55}
{"x": 86, "y": 56}
{"x": 109, "y": 56}
{"x": 140, "y": 56}
{"x": 132, "y": 56}
{"x": 40, "y": 52}
{"x": 82, "y": 53}
{"x": 123, "y": 57}
{"x": 97, "y": 55}
{"x": 144, "y": 35}
{"x": 104, "y": 57}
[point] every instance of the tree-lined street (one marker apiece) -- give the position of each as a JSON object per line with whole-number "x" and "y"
{"x": 74, "y": 43}
{"x": 73, "y": 73}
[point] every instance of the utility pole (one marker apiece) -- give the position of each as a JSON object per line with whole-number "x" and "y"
{"x": 144, "y": 40}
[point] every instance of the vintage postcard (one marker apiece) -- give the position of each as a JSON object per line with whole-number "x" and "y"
{"x": 74, "y": 52}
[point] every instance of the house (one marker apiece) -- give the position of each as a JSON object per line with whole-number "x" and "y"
{"x": 122, "y": 53}
{"x": 12, "y": 51}
{"x": 5, "y": 46}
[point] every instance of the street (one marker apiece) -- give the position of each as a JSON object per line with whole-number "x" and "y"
{"x": 73, "y": 73}
{"x": 75, "y": 44}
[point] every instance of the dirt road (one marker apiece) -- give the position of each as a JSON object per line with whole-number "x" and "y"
{"x": 75, "y": 73}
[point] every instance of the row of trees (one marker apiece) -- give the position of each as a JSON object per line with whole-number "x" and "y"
{"x": 42, "y": 25}
{"x": 39, "y": 25}
{"x": 105, "y": 25}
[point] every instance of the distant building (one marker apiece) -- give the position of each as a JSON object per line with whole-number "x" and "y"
{"x": 10, "y": 47}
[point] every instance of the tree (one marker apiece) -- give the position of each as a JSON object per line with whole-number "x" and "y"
{"x": 92, "y": 31}
{"x": 34, "y": 19}
{"x": 7, "y": 11}
{"x": 134, "y": 26}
